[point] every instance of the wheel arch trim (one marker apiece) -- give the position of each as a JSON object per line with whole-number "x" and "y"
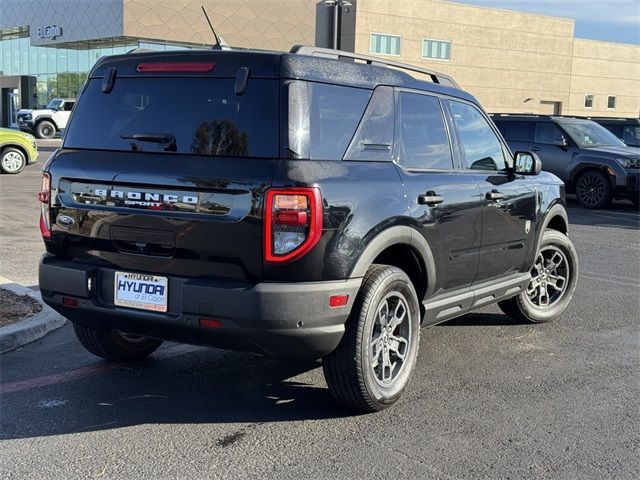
{"x": 392, "y": 236}
{"x": 554, "y": 211}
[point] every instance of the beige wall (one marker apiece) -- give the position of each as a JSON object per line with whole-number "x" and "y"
{"x": 603, "y": 69}
{"x": 272, "y": 24}
{"x": 510, "y": 61}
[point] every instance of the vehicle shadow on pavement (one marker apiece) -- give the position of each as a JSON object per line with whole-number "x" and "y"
{"x": 482, "y": 319}
{"x": 618, "y": 215}
{"x": 199, "y": 386}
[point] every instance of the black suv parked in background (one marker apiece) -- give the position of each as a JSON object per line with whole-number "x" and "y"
{"x": 593, "y": 163}
{"x": 311, "y": 204}
{"x": 626, "y": 129}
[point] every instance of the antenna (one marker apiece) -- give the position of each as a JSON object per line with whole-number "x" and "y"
{"x": 218, "y": 45}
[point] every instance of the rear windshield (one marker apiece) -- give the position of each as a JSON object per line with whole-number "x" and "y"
{"x": 203, "y": 115}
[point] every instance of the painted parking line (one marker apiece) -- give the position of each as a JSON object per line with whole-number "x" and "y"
{"x": 82, "y": 372}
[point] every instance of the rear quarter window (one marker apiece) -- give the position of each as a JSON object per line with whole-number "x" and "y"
{"x": 322, "y": 119}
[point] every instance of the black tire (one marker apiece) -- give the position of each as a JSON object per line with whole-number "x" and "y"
{"x": 12, "y": 160}
{"x": 594, "y": 189}
{"x": 45, "y": 129}
{"x": 115, "y": 346}
{"x": 350, "y": 370}
{"x": 529, "y": 305}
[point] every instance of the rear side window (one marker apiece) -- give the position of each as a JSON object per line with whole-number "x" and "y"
{"x": 423, "y": 140}
{"x": 204, "y": 115}
{"x": 480, "y": 145}
{"x": 518, "y": 131}
{"x": 323, "y": 119}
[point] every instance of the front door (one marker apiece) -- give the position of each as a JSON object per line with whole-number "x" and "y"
{"x": 508, "y": 201}
{"x": 554, "y": 149}
{"x": 443, "y": 201}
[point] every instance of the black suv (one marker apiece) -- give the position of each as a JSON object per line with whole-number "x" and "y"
{"x": 594, "y": 164}
{"x": 310, "y": 204}
{"x": 626, "y": 129}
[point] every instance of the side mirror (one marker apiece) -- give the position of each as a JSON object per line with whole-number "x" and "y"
{"x": 526, "y": 163}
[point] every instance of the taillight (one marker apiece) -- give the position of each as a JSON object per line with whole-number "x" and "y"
{"x": 292, "y": 223}
{"x": 44, "y": 196}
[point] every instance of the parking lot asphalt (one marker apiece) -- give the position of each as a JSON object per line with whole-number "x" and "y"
{"x": 491, "y": 398}
{"x": 20, "y": 243}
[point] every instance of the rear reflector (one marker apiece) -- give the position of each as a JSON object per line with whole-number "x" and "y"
{"x": 44, "y": 197}
{"x": 338, "y": 301}
{"x": 210, "y": 323}
{"x": 195, "y": 67}
{"x": 70, "y": 302}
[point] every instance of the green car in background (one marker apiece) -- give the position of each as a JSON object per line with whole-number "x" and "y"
{"x": 17, "y": 149}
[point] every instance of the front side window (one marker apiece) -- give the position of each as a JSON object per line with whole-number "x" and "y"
{"x": 588, "y": 101}
{"x": 548, "y": 133}
{"x": 384, "y": 44}
{"x": 438, "y": 49}
{"x": 423, "y": 140}
{"x": 481, "y": 148}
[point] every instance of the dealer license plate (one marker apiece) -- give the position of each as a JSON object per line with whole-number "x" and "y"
{"x": 137, "y": 290}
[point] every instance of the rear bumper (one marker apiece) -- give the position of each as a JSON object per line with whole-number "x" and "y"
{"x": 279, "y": 319}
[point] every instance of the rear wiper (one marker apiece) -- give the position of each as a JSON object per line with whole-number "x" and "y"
{"x": 168, "y": 139}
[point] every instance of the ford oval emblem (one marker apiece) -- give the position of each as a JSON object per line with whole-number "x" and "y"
{"x": 65, "y": 221}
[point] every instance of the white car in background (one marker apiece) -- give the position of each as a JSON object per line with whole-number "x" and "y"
{"x": 45, "y": 123}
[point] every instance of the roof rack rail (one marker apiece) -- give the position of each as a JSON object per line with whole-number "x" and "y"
{"x": 436, "y": 77}
{"x": 539, "y": 115}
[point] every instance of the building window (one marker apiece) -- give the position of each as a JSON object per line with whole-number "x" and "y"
{"x": 438, "y": 49}
{"x": 611, "y": 102}
{"x": 588, "y": 101}
{"x": 385, "y": 44}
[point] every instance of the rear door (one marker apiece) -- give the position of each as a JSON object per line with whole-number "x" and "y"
{"x": 508, "y": 201}
{"x": 444, "y": 201}
{"x": 517, "y": 133}
{"x": 166, "y": 174}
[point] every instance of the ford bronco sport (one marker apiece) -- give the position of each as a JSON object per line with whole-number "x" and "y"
{"x": 310, "y": 204}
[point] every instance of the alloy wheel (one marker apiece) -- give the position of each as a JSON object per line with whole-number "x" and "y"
{"x": 12, "y": 161}
{"x": 549, "y": 277}
{"x": 591, "y": 189}
{"x": 390, "y": 338}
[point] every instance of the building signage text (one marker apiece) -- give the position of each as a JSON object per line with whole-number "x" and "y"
{"x": 49, "y": 31}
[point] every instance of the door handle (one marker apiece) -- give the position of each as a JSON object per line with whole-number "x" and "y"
{"x": 494, "y": 195}
{"x": 534, "y": 149}
{"x": 430, "y": 198}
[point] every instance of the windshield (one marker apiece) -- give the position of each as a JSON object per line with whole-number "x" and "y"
{"x": 631, "y": 136}
{"x": 197, "y": 116}
{"x": 590, "y": 134}
{"x": 54, "y": 104}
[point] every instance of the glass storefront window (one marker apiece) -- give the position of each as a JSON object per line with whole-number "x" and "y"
{"x": 60, "y": 70}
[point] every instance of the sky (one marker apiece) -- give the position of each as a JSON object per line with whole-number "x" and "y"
{"x": 613, "y": 21}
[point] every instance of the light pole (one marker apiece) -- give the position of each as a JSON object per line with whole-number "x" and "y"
{"x": 336, "y": 4}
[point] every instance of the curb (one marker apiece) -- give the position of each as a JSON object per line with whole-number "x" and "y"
{"x": 31, "y": 328}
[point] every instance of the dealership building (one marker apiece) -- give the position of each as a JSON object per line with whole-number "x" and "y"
{"x": 511, "y": 61}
